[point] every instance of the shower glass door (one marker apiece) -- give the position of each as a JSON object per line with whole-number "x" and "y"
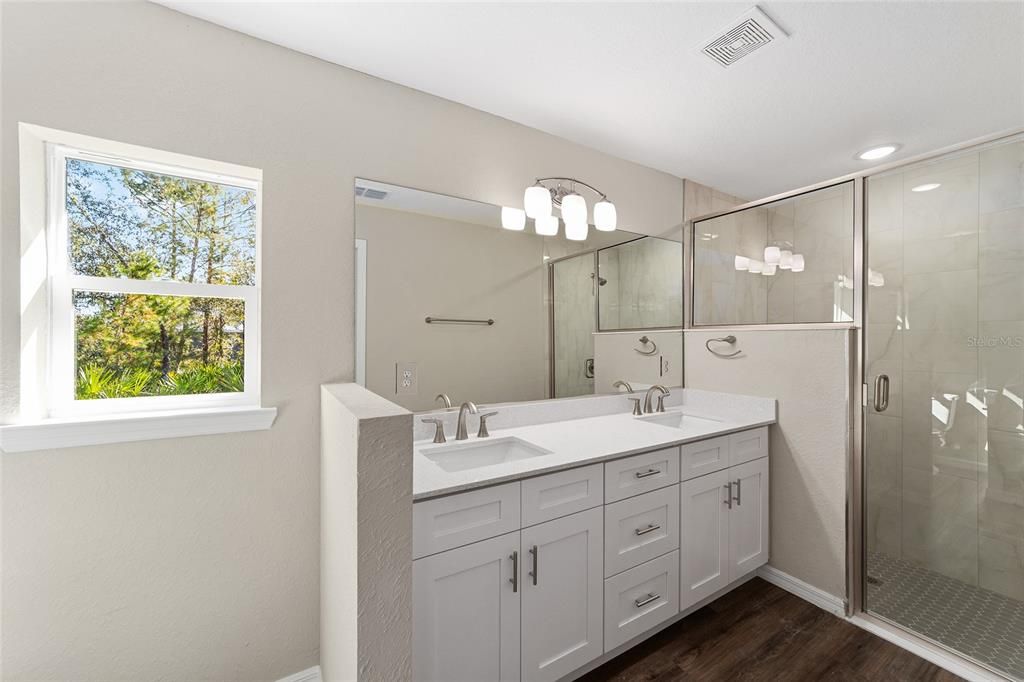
{"x": 944, "y": 424}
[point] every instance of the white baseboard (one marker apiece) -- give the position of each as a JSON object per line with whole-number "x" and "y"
{"x": 809, "y": 593}
{"x": 307, "y": 675}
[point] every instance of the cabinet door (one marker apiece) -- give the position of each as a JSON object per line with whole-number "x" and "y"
{"x": 562, "y": 595}
{"x": 703, "y": 537}
{"x": 748, "y": 522}
{"x": 466, "y": 613}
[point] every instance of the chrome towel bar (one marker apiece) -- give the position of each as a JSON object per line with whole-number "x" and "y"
{"x": 454, "y": 320}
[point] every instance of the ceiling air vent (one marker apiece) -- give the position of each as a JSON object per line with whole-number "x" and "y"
{"x": 751, "y": 32}
{"x": 369, "y": 193}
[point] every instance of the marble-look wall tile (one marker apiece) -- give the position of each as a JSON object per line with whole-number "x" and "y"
{"x": 940, "y": 523}
{"x": 1001, "y": 515}
{"x": 1002, "y": 177}
{"x": 941, "y": 417}
{"x": 883, "y": 472}
{"x": 942, "y": 301}
{"x": 574, "y": 325}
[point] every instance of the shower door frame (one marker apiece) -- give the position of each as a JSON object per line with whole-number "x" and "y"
{"x": 856, "y": 607}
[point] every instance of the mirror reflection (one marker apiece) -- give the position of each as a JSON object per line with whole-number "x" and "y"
{"x": 449, "y": 302}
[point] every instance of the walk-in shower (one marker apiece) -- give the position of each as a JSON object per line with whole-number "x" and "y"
{"x": 943, "y": 357}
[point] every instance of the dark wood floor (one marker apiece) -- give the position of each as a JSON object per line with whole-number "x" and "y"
{"x": 760, "y": 632}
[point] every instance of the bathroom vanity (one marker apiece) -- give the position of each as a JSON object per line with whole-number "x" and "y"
{"x": 548, "y": 548}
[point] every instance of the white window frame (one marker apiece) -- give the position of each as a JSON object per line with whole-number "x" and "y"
{"x": 62, "y": 281}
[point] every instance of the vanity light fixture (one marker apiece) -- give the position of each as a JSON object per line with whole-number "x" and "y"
{"x": 742, "y": 263}
{"x": 546, "y": 225}
{"x": 798, "y": 263}
{"x": 927, "y": 187}
{"x": 576, "y": 231}
{"x": 769, "y": 269}
{"x": 755, "y": 266}
{"x": 513, "y": 218}
{"x": 785, "y": 259}
{"x": 542, "y": 196}
{"x": 879, "y": 152}
{"x": 772, "y": 255}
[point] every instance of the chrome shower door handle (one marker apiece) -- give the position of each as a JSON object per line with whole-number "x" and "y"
{"x": 881, "y": 392}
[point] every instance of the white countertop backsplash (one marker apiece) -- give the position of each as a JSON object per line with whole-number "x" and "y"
{"x": 579, "y": 431}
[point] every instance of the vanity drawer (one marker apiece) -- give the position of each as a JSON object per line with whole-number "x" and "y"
{"x": 460, "y": 519}
{"x": 704, "y": 457}
{"x": 640, "y": 598}
{"x": 747, "y": 446}
{"x": 640, "y": 473}
{"x": 562, "y": 493}
{"x": 640, "y": 528}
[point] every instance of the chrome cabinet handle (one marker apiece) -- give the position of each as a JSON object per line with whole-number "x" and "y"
{"x": 536, "y": 562}
{"x": 649, "y": 529}
{"x": 514, "y": 556}
{"x": 647, "y": 600}
{"x": 728, "y": 494}
{"x": 881, "y": 392}
{"x": 649, "y": 472}
{"x": 739, "y": 492}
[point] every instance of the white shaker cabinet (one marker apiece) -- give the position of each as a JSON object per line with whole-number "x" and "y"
{"x": 723, "y": 529}
{"x": 748, "y": 520}
{"x": 466, "y": 610}
{"x": 563, "y": 594}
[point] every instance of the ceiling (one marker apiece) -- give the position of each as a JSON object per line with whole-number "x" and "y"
{"x": 629, "y": 79}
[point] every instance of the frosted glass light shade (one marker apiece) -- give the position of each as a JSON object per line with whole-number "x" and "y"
{"x": 574, "y": 209}
{"x": 772, "y": 255}
{"x": 513, "y": 218}
{"x": 798, "y": 263}
{"x": 786, "y": 260}
{"x": 769, "y": 269}
{"x": 755, "y": 266}
{"x": 576, "y": 231}
{"x": 547, "y": 225}
{"x": 537, "y": 201}
{"x": 742, "y": 263}
{"x": 604, "y": 216}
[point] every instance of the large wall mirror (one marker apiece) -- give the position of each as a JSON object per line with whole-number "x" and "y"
{"x": 449, "y": 302}
{"x": 786, "y": 261}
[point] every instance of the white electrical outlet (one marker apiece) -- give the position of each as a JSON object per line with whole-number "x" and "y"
{"x": 405, "y": 378}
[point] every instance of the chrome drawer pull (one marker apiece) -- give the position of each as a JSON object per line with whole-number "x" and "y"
{"x": 649, "y": 529}
{"x": 514, "y": 556}
{"x": 649, "y": 472}
{"x": 640, "y": 603}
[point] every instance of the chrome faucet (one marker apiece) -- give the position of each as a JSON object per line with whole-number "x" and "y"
{"x": 445, "y": 400}
{"x": 460, "y": 429}
{"x": 623, "y": 384}
{"x": 661, "y": 399}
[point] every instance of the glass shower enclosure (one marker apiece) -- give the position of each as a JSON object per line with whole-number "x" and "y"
{"x": 943, "y": 457}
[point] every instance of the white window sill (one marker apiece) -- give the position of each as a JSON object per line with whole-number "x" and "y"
{"x": 124, "y": 428}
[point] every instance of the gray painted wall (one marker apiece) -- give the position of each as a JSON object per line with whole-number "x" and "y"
{"x": 199, "y": 558}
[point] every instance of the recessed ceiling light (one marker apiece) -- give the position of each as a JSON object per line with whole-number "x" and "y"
{"x": 879, "y": 152}
{"x": 927, "y": 187}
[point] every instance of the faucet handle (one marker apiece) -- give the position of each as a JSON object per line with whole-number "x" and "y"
{"x": 637, "y": 411}
{"x": 661, "y": 401}
{"x": 482, "y": 432}
{"x": 438, "y": 429}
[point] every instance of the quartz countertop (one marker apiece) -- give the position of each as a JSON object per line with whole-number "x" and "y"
{"x": 571, "y": 443}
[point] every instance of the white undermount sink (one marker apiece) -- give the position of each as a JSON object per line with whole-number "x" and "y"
{"x": 481, "y": 453}
{"x": 679, "y": 420}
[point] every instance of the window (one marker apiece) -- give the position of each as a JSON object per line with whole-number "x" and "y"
{"x": 154, "y": 285}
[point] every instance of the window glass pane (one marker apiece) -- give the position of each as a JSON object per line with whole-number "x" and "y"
{"x": 135, "y": 224}
{"x": 129, "y": 345}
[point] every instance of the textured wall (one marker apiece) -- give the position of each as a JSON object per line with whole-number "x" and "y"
{"x": 199, "y": 558}
{"x": 808, "y": 372}
{"x": 366, "y": 537}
